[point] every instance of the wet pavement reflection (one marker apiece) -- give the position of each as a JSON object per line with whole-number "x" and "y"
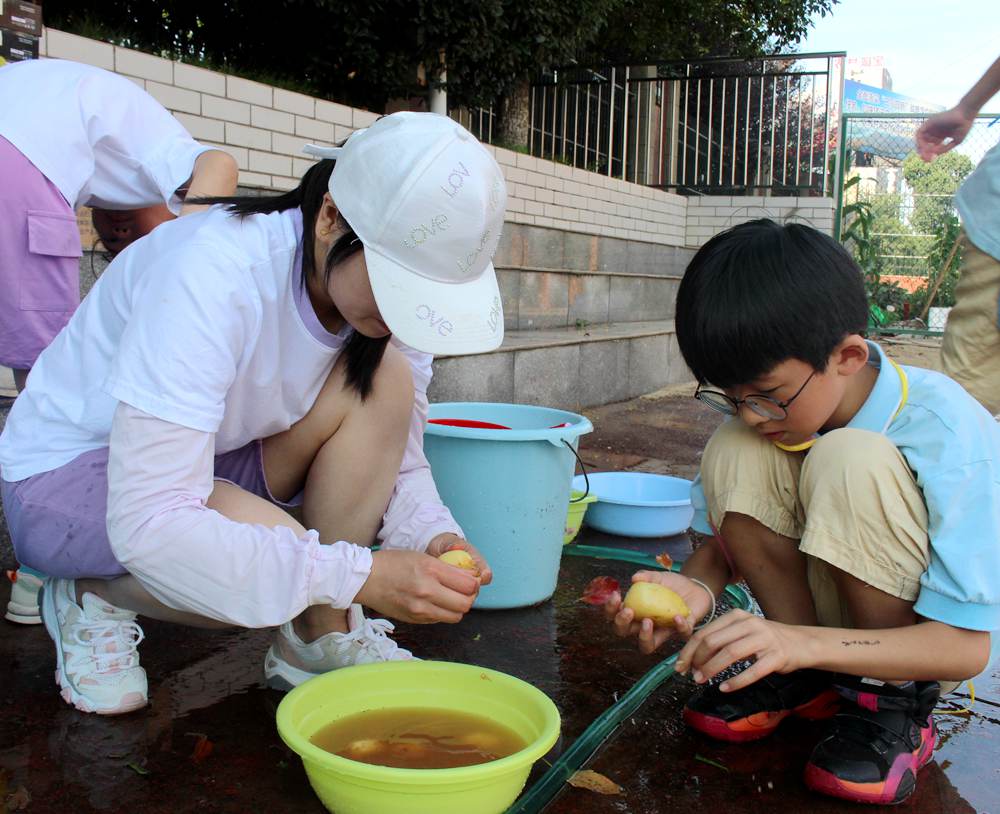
{"x": 207, "y": 742}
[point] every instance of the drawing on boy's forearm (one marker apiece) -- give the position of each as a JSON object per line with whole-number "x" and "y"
{"x": 862, "y": 642}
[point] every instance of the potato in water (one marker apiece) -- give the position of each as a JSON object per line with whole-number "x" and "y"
{"x": 418, "y": 738}
{"x": 650, "y": 600}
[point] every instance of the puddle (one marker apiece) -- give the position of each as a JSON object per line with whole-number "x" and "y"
{"x": 206, "y": 687}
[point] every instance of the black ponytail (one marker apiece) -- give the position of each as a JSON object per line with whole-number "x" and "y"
{"x": 363, "y": 353}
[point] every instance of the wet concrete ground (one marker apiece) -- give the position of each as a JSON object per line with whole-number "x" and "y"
{"x": 207, "y": 742}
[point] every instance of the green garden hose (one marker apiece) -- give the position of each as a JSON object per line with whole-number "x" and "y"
{"x": 584, "y": 747}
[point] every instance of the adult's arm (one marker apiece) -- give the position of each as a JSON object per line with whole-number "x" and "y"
{"x": 215, "y": 174}
{"x": 946, "y": 130}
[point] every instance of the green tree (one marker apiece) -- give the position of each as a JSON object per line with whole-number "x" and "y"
{"x": 652, "y": 30}
{"x": 934, "y": 186}
{"x": 364, "y": 52}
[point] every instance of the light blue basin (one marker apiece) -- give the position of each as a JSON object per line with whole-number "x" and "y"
{"x": 638, "y": 504}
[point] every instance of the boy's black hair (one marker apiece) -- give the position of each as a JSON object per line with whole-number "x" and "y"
{"x": 761, "y": 293}
{"x": 363, "y": 354}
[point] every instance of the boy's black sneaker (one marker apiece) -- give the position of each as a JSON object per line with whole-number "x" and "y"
{"x": 877, "y": 743}
{"x": 754, "y": 712}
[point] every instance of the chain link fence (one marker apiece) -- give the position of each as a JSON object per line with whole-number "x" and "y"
{"x": 897, "y": 216}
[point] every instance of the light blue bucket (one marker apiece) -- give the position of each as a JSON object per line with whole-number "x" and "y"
{"x": 509, "y": 490}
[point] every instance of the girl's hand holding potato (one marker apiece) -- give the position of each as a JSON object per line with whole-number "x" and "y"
{"x": 651, "y": 636}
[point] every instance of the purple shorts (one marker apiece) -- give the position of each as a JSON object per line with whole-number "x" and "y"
{"x": 58, "y": 519}
{"x": 39, "y": 260}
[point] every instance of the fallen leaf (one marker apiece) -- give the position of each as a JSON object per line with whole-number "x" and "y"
{"x": 202, "y": 749}
{"x": 599, "y": 590}
{"x": 135, "y": 767}
{"x": 477, "y": 637}
{"x": 665, "y": 560}
{"x": 594, "y": 781}
{"x": 711, "y": 762}
{"x": 19, "y": 800}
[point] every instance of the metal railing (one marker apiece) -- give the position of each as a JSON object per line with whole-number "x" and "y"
{"x": 896, "y": 214}
{"x": 713, "y": 126}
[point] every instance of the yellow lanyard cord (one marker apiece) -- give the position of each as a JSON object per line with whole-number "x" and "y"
{"x": 797, "y": 447}
{"x": 964, "y": 710}
{"x": 904, "y": 384}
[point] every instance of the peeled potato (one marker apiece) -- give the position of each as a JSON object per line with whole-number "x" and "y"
{"x": 483, "y": 741}
{"x": 365, "y": 747}
{"x": 460, "y": 559}
{"x": 649, "y": 600}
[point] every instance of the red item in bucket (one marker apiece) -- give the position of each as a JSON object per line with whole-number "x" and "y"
{"x": 468, "y": 423}
{"x": 479, "y": 425}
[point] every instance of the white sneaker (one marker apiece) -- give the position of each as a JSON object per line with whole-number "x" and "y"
{"x": 290, "y": 661}
{"x": 23, "y": 605}
{"x": 97, "y": 664}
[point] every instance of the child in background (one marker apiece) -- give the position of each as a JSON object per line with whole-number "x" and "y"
{"x": 73, "y": 135}
{"x": 234, "y": 364}
{"x": 858, "y": 499}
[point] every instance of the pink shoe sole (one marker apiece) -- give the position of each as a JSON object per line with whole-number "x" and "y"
{"x": 898, "y": 785}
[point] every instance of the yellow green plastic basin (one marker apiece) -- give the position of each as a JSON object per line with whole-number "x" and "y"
{"x": 349, "y": 787}
{"x": 574, "y": 518}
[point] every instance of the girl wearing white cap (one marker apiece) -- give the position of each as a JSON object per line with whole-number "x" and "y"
{"x": 240, "y": 362}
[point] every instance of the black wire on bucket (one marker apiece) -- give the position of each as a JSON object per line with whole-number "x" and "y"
{"x": 583, "y": 469}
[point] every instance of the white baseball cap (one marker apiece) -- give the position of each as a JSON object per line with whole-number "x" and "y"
{"x": 427, "y": 201}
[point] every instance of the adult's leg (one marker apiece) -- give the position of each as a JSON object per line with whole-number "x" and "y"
{"x": 970, "y": 351}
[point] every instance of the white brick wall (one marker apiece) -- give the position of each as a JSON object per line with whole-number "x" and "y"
{"x": 264, "y": 128}
{"x": 545, "y": 193}
{"x": 709, "y": 215}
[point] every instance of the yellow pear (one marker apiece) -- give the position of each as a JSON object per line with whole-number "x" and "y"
{"x": 650, "y": 600}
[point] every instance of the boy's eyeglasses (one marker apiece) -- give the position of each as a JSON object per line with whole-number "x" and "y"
{"x": 764, "y": 406}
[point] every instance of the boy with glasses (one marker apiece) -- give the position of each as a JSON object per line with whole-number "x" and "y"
{"x": 857, "y": 498}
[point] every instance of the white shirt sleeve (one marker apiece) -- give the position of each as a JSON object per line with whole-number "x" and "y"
{"x": 141, "y": 153}
{"x": 416, "y": 514}
{"x": 195, "y": 559}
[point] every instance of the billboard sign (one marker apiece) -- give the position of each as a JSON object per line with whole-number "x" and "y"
{"x": 860, "y": 98}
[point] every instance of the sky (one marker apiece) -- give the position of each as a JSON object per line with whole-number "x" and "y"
{"x": 934, "y": 51}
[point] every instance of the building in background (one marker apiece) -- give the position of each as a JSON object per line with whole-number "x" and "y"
{"x": 869, "y": 70}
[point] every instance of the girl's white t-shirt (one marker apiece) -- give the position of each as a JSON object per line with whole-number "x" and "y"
{"x": 99, "y": 137}
{"x": 193, "y": 344}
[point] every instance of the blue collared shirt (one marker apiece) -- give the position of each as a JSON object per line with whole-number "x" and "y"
{"x": 978, "y": 202}
{"x": 952, "y": 445}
